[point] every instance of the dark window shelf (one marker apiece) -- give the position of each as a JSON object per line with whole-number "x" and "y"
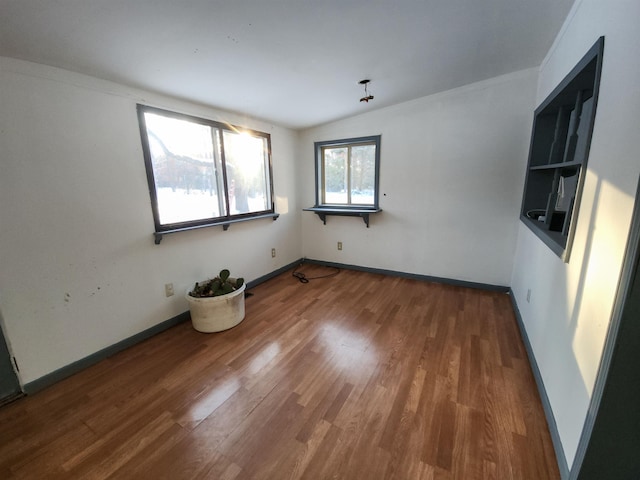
{"x": 224, "y": 224}
{"x": 556, "y": 241}
{"x": 323, "y": 212}
{"x": 551, "y": 166}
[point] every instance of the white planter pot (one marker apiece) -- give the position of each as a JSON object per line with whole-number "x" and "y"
{"x": 215, "y": 314}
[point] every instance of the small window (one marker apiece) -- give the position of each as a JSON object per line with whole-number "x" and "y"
{"x": 202, "y": 172}
{"x": 347, "y": 173}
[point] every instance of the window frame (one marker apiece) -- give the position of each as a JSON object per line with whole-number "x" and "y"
{"x": 224, "y": 220}
{"x": 320, "y": 179}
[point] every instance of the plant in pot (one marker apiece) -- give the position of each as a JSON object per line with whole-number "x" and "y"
{"x": 217, "y": 304}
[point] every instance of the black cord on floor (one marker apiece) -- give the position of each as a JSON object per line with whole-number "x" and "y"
{"x": 304, "y": 279}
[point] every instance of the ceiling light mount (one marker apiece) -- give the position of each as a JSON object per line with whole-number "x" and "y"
{"x": 367, "y": 95}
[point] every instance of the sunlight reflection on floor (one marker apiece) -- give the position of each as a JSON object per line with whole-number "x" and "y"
{"x": 350, "y": 349}
{"x": 202, "y": 407}
{"x": 264, "y": 357}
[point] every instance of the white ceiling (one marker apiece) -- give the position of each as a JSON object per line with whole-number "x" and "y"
{"x": 293, "y": 62}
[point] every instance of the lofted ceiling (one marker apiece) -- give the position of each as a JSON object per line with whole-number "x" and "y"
{"x": 296, "y": 63}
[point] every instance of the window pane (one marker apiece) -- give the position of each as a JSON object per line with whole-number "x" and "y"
{"x": 247, "y": 164}
{"x": 186, "y": 178}
{"x": 363, "y": 173}
{"x": 335, "y": 175}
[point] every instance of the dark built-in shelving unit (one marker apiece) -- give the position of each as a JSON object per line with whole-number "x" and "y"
{"x": 560, "y": 141}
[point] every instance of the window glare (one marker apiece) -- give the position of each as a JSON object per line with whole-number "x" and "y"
{"x": 176, "y": 206}
{"x": 182, "y": 137}
{"x": 247, "y": 175}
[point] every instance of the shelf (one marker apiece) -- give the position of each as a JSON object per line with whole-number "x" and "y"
{"x": 224, "y": 224}
{"x": 551, "y": 166}
{"x": 554, "y": 240}
{"x": 323, "y": 212}
{"x": 559, "y": 151}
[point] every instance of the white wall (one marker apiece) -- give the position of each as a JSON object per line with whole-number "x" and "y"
{"x": 79, "y": 270}
{"x": 570, "y": 307}
{"x": 451, "y": 178}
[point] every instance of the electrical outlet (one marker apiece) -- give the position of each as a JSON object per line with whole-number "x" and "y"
{"x": 339, "y": 245}
{"x": 273, "y": 253}
{"x": 528, "y": 295}
{"x": 168, "y": 289}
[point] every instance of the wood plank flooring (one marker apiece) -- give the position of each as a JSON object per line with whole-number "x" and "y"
{"x": 357, "y": 376}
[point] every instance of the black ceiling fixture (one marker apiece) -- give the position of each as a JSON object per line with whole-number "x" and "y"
{"x": 367, "y": 95}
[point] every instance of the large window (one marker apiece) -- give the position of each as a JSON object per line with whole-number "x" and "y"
{"x": 347, "y": 173}
{"x": 202, "y": 172}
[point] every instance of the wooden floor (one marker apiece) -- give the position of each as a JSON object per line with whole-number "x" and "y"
{"x": 357, "y": 376}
